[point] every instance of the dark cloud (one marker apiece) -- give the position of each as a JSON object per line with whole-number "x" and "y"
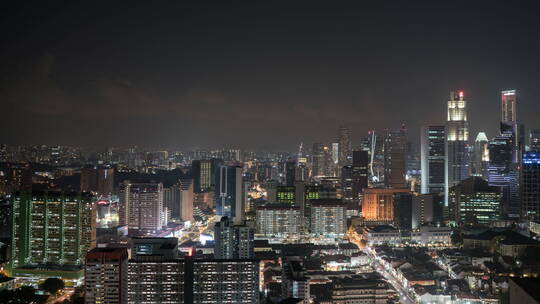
{"x": 258, "y": 75}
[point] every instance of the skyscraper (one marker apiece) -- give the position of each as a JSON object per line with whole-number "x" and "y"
{"x": 141, "y": 206}
{"x": 52, "y": 227}
{"x": 433, "y": 158}
{"x": 290, "y": 172}
{"x": 480, "y": 159}
{"x": 508, "y": 106}
{"x": 530, "y": 186}
{"x": 321, "y": 160}
{"x": 378, "y": 204}
{"x": 473, "y": 201}
{"x": 233, "y": 241}
{"x": 106, "y": 276}
{"x": 186, "y": 199}
{"x": 395, "y": 144}
{"x": 457, "y": 137}
{"x": 229, "y": 193}
{"x": 360, "y": 172}
{"x": 345, "y": 146}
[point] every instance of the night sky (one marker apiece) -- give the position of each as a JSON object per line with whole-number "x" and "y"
{"x": 266, "y": 75}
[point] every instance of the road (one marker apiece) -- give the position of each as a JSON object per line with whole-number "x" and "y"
{"x": 404, "y": 296}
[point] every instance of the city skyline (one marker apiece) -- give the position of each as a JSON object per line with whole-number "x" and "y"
{"x": 201, "y": 76}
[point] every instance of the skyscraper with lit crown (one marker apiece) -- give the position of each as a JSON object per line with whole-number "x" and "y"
{"x": 457, "y": 137}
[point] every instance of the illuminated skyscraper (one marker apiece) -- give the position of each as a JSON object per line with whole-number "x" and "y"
{"x": 508, "y": 105}
{"x": 345, "y": 146}
{"x": 229, "y": 193}
{"x": 457, "y": 137}
{"x": 530, "y": 186}
{"x": 480, "y": 158}
{"x": 433, "y": 158}
{"x": 321, "y": 160}
{"x": 395, "y": 144}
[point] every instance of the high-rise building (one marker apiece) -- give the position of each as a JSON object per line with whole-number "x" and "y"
{"x": 503, "y": 173}
{"x": 403, "y": 210}
{"x": 321, "y": 160}
{"x": 480, "y": 159}
{"x": 378, "y": 204}
{"x": 281, "y": 221}
{"x": 224, "y": 281}
{"x": 202, "y": 174}
{"x": 98, "y": 180}
{"x": 395, "y": 142}
{"x": 457, "y": 138}
{"x": 106, "y": 276}
{"x": 186, "y": 199}
{"x": 52, "y": 228}
{"x": 141, "y": 206}
{"x": 510, "y": 124}
{"x": 290, "y": 172}
{"x": 474, "y": 201}
{"x": 508, "y": 106}
{"x": 530, "y": 186}
{"x": 433, "y": 158}
{"x": 233, "y": 241}
{"x": 427, "y": 209}
{"x": 229, "y": 193}
{"x": 328, "y": 218}
{"x": 344, "y": 146}
{"x": 360, "y": 172}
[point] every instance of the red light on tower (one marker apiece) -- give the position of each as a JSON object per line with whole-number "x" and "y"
{"x": 460, "y": 94}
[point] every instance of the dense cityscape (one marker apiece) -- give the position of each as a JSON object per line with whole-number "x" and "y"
{"x": 268, "y": 152}
{"x": 375, "y": 220}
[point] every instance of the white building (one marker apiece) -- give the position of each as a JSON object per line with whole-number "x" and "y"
{"x": 432, "y": 235}
{"x": 141, "y": 206}
{"x": 328, "y": 219}
{"x": 279, "y": 221}
{"x": 382, "y": 234}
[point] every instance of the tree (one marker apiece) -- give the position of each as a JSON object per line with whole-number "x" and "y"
{"x": 52, "y": 285}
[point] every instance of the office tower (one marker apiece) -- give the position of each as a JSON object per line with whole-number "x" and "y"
{"x": 229, "y": 193}
{"x": 480, "y": 158}
{"x": 503, "y": 172}
{"x": 302, "y": 171}
{"x": 457, "y": 137}
{"x": 534, "y": 140}
{"x": 294, "y": 282}
{"x": 202, "y": 175}
{"x": 224, "y": 281}
{"x": 290, "y": 172}
{"x": 281, "y": 221}
{"x": 328, "y": 218}
{"x": 233, "y": 241}
{"x": 345, "y": 146}
{"x": 375, "y": 146}
{"x": 286, "y": 195}
{"x": 510, "y": 123}
{"x": 321, "y": 160}
{"x": 394, "y": 158}
{"x": 141, "y": 206}
{"x": 360, "y": 172}
{"x": 335, "y": 158}
{"x": 98, "y": 180}
{"x": 378, "y": 204}
{"x": 508, "y": 105}
{"x": 172, "y": 200}
{"x": 403, "y": 210}
{"x": 347, "y": 183}
{"x": 530, "y": 186}
{"x": 433, "y": 158}
{"x": 427, "y": 209}
{"x": 474, "y": 201}
{"x": 52, "y": 227}
{"x": 186, "y": 199}
{"x": 106, "y": 276}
